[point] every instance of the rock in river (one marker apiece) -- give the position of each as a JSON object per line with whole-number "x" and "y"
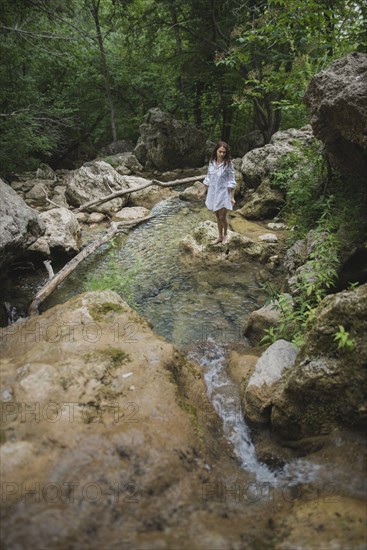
{"x": 326, "y": 388}
{"x": 20, "y": 225}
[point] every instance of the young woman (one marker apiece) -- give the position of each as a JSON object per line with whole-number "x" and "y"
{"x": 220, "y": 184}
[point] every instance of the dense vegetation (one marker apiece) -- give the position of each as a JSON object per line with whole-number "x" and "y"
{"x": 79, "y": 74}
{"x": 318, "y": 208}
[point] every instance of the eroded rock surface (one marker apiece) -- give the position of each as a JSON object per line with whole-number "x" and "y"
{"x": 337, "y": 98}
{"x": 167, "y": 143}
{"x": 260, "y": 320}
{"x": 265, "y": 380}
{"x": 259, "y": 163}
{"x": 62, "y": 234}
{"x": 198, "y": 247}
{"x": 262, "y": 203}
{"x": 131, "y": 213}
{"x": 111, "y": 427}
{"x": 20, "y": 225}
{"x": 96, "y": 180}
{"x": 327, "y": 386}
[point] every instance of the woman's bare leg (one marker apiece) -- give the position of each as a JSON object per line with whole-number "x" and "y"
{"x": 223, "y": 223}
{"x": 220, "y": 230}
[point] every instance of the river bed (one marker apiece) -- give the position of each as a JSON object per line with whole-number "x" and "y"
{"x": 200, "y": 310}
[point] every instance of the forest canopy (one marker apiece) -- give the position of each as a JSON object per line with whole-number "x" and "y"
{"x": 79, "y": 74}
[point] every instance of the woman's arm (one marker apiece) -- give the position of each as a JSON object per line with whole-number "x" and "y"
{"x": 231, "y": 181}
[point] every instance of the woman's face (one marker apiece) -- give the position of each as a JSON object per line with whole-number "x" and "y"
{"x": 221, "y": 153}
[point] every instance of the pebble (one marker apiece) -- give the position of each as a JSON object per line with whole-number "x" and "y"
{"x": 7, "y": 395}
{"x": 276, "y": 225}
{"x": 269, "y": 238}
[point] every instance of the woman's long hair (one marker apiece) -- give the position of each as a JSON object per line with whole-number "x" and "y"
{"x": 227, "y": 159}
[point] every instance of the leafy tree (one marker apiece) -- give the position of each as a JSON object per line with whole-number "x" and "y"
{"x": 76, "y": 74}
{"x": 281, "y": 44}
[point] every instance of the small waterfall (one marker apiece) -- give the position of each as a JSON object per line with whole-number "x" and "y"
{"x": 225, "y": 397}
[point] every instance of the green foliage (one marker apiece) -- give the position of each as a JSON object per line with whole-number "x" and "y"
{"x": 303, "y": 176}
{"x": 285, "y": 171}
{"x": 227, "y": 67}
{"x": 114, "y": 278}
{"x": 315, "y": 279}
{"x": 321, "y": 202}
{"x": 23, "y": 142}
{"x": 281, "y": 45}
{"x": 344, "y": 340}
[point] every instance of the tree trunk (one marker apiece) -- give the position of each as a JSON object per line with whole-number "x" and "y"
{"x": 123, "y": 192}
{"x": 199, "y": 88}
{"x": 267, "y": 118}
{"x": 330, "y": 27}
{"x": 53, "y": 283}
{"x": 94, "y": 7}
{"x": 177, "y": 33}
{"x": 227, "y": 122}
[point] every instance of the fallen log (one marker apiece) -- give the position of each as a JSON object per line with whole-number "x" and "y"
{"x": 53, "y": 283}
{"x": 116, "y": 194}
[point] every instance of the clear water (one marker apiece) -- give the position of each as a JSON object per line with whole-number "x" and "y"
{"x": 225, "y": 397}
{"x": 183, "y": 304}
{"x": 200, "y": 310}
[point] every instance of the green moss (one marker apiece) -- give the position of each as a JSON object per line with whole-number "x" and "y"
{"x": 113, "y": 162}
{"x": 296, "y": 142}
{"x": 99, "y": 311}
{"x": 114, "y": 356}
{"x": 191, "y": 411}
{"x": 180, "y": 373}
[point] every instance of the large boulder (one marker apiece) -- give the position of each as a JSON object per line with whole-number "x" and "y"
{"x": 20, "y": 225}
{"x": 259, "y": 321}
{"x": 337, "y": 98}
{"x": 62, "y": 234}
{"x": 108, "y": 437}
{"x": 266, "y": 379}
{"x": 327, "y": 386}
{"x": 93, "y": 181}
{"x": 192, "y": 193}
{"x": 259, "y": 163}
{"x": 262, "y": 203}
{"x": 124, "y": 163}
{"x": 166, "y": 143}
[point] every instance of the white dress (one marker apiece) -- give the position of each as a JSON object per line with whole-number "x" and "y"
{"x": 219, "y": 180}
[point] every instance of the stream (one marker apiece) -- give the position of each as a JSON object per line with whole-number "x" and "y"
{"x": 201, "y": 311}
{"x": 183, "y": 304}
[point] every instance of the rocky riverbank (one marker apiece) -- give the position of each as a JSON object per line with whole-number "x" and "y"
{"x": 108, "y": 436}
{"x": 109, "y": 439}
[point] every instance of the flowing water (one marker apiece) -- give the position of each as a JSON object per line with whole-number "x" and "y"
{"x": 184, "y": 304}
{"x": 200, "y": 310}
